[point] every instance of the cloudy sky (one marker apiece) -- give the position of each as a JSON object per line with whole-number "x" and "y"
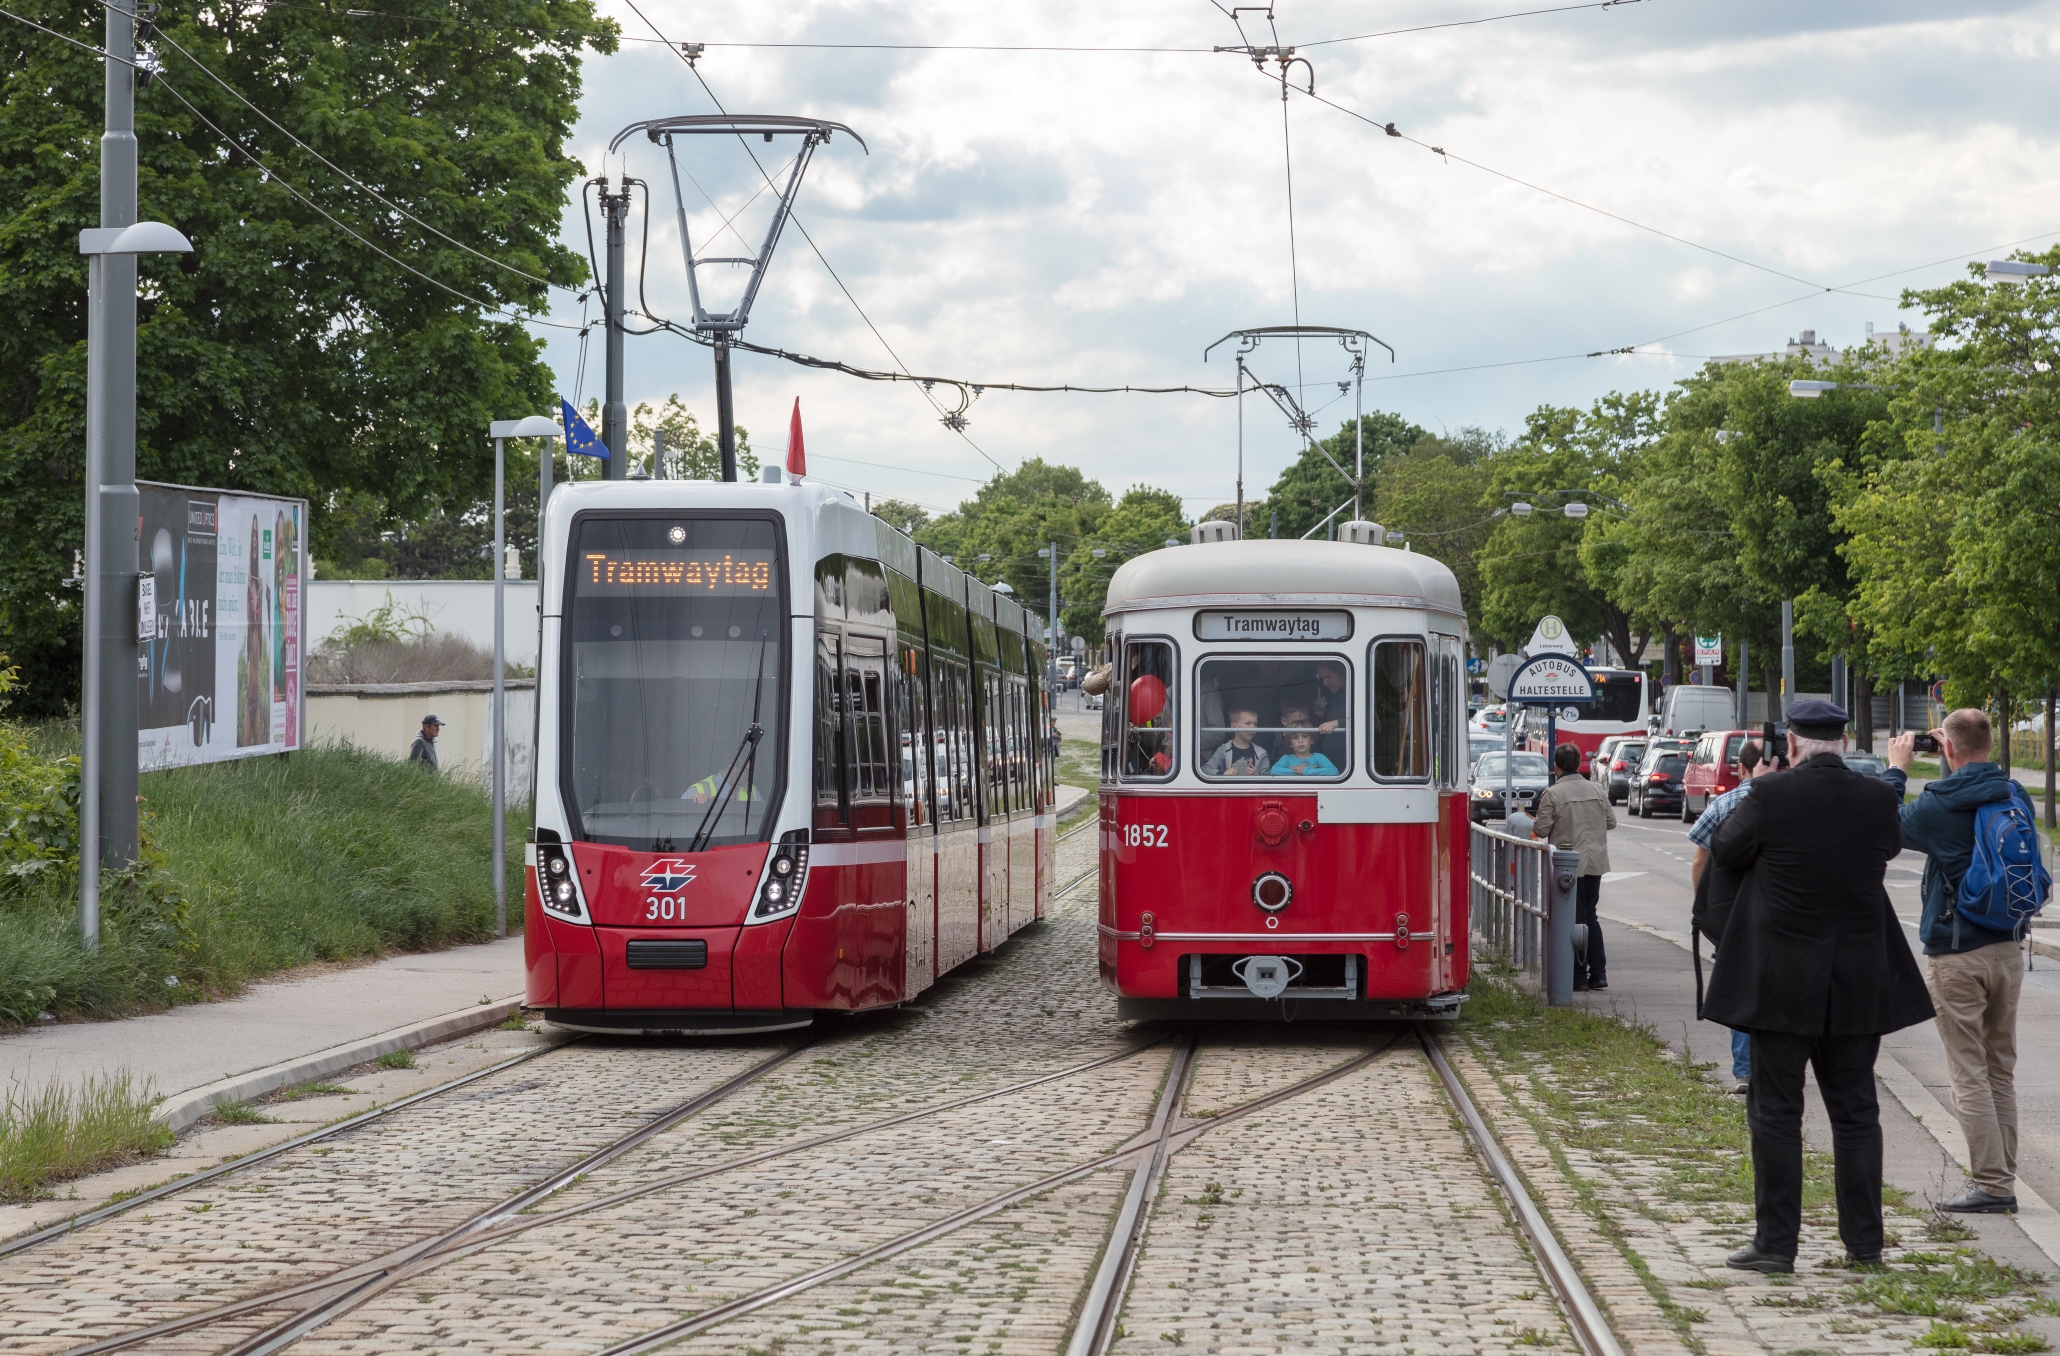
{"x": 1100, "y": 217}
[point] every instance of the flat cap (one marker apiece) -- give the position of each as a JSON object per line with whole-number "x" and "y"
{"x": 1815, "y": 718}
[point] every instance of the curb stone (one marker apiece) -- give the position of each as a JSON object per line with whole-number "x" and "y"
{"x": 176, "y": 1113}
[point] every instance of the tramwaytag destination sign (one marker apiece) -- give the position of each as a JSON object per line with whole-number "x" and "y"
{"x": 1552, "y": 680}
{"x": 1273, "y": 624}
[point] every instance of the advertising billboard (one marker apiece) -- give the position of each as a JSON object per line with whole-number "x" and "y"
{"x": 219, "y": 676}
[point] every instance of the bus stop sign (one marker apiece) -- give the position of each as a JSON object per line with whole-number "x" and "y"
{"x": 1552, "y": 680}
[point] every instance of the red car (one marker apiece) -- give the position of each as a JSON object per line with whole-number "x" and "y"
{"x": 1712, "y": 770}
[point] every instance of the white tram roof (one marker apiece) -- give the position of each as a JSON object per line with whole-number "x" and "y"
{"x": 1283, "y": 573}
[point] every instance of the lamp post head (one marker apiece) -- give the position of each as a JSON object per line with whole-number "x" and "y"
{"x": 535, "y": 426}
{"x": 1521, "y": 509}
{"x": 1810, "y": 390}
{"x": 2013, "y": 271}
{"x": 145, "y": 237}
{"x": 1576, "y": 510}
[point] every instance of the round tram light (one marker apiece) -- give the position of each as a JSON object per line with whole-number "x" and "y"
{"x": 1147, "y": 699}
{"x": 1273, "y": 892}
{"x": 783, "y": 866}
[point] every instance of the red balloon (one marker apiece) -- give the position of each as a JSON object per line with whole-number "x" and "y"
{"x": 1147, "y": 699}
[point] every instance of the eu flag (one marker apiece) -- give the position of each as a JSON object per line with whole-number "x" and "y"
{"x": 579, "y": 438}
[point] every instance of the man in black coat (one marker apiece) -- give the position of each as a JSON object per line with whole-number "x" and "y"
{"x": 1814, "y": 964}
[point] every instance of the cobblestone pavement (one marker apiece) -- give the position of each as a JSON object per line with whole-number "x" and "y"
{"x": 1351, "y": 1218}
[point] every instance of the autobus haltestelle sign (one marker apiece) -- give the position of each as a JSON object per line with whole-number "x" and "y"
{"x": 1550, "y": 680}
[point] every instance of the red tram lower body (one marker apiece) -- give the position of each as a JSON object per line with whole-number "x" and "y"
{"x": 661, "y": 943}
{"x": 1311, "y": 906}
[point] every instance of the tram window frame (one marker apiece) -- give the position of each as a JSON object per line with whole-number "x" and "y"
{"x": 1448, "y": 713}
{"x": 1112, "y": 714}
{"x": 1276, "y": 733}
{"x": 920, "y": 791}
{"x": 832, "y": 804}
{"x": 1165, "y": 725}
{"x": 1422, "y": 713}
{"x": 873, "y": 772}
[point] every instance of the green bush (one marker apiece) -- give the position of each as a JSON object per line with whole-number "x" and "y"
{"x": 248, "y": 867}
{"x": 55, "y": 1132}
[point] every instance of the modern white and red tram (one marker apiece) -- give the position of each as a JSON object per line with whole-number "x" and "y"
{"x": 786, "y": 761}
{"x": 1283, "y": 789}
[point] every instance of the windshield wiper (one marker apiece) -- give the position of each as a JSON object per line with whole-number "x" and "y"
{"x": 746, "y": 755}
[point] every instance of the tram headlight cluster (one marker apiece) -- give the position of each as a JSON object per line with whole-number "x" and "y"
{"x": 784, "y": 876}
{"x": 554, "y": 882}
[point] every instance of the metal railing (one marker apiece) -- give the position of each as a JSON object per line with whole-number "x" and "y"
{"x": 1520, "y": 895}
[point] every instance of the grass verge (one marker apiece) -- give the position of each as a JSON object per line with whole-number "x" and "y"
{"x": 251, "y": 867}
{"x": 62, "y": 1132}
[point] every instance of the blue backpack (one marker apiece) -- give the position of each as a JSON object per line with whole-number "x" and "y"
{"x": 2007, "y": 881}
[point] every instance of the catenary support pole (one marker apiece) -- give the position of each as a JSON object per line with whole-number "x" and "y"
{"x": 1241, "y": 445}
{"x": 657, "y": 454}
{"x": 1051, "y": 632}
{"x": 1838, "y": 692}
{"x": 1744, "y": 683}
{"x": 1787, "y": 659}
{"x": 107, "y": 831}
{"x": 498, "y": 749}
{"x": 725, "y": 409}
{"x": 1359, "y": 436}
{"x": 614, "y": 414}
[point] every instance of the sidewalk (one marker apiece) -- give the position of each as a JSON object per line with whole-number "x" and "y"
{"x": 275, "y": 1022}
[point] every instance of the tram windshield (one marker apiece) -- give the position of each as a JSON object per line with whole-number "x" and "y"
{"x": 1277, "y": 716}
{"x": 675, "y": 638}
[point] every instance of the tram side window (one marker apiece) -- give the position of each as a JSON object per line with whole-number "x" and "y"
{"x": 1148, "y": 709}
{"x": 994, "y": 727}
{"x": 1448, "y": 712}
{"x": 917, "y": 790}
{"x": 1112, "y": 725}
{"x": 1399, "y": 689}
{"x": 954, "y": 795}
{"x": 1276, "y": 716}
{"x": 832, "y": 809}
{"x": 865, "y": 711}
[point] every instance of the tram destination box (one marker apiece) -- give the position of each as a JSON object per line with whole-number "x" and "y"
{"x": 1268, "y": 624}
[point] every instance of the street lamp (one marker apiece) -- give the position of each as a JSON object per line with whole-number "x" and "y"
{"x": 107, "y": 709}
{"x": 1810, "y": 390}
{"x": 500, "y": 430}
{"x": 2013, "y": 271}
{"x": 1521, "y": 509}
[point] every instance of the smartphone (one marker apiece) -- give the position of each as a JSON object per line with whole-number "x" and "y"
{"x": 1926, "y": 743}
{"x": 1774, "y": 739}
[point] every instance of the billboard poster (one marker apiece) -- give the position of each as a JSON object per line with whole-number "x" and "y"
{"x": 221, "y": 678}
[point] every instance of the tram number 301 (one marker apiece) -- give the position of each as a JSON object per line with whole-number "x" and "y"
{"x": 1144, "y": 835}
{"x": 664, "y": 906}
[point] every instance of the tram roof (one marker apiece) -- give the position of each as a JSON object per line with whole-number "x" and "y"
{"x": 1283, "y": 573}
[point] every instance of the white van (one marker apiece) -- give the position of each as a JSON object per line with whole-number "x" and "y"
{"x": 1687, "y": 707}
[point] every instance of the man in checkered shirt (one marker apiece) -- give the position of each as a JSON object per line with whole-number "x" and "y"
{"x": 1701, "y": 834}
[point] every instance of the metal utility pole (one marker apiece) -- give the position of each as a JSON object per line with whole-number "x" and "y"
{"x": 614, "y": 414}
{"x": 657, "y": 454}
{"x": 1358, "y": 434}
{"x": 536, "y": 426}
{"x": 1838, "y": 693}
{"x": 1744, "y": 682}
{"x": 1051, "y": 630}
{"x": 107, "y": 801}
{"x": 1787, "y": 659}
{"x": 721, "y": 328}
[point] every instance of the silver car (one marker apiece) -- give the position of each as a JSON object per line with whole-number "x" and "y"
{"x": 1521, "y": 781}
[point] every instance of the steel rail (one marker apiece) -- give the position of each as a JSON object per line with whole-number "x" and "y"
{"x": 1091, "y": 1333}
{"x": 256, "y": 1157}
{"x": 709, "y": 1318}
{"x": 1583, "y": 1315}
{"x": 493, "y": 1226}
{"x": 371, "y": 1273}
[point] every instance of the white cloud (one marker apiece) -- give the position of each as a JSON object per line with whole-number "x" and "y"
{"x": 1099, "y": 218}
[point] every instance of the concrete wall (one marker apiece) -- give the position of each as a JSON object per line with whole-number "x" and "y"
{"x": 462, "y": 607}
{"x": 386, "y": 717}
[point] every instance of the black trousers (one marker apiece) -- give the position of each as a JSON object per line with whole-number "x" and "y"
{"x": 1774, "y": 1108}
{"x": 1594, "y": 967}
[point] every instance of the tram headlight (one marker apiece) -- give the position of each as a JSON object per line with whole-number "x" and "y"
{"x": 785, "y": 875}
{"x": 555, "y": 889}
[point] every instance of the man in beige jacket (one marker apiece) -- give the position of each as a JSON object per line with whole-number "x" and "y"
{"x": 1574, "y": 813}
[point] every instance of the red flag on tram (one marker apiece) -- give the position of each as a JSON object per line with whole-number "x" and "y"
{"x": 797, "y": 459}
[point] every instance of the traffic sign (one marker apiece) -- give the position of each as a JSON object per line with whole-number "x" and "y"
{"x": 1551, "y": 680}
{"x": 1709, "y": 650}
{"x": 1476, "y": 667}
{"x": 1551, "y": 638}
{"x": 1500, "y": 671}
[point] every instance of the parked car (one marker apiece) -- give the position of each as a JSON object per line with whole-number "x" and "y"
{"x": 1656, "y": 785}
{"x": 1872, "y": 764}
{"x": 1687, "y": 707}
{"x": 1523, "y": 778}
{"x": 1712, "y": 770}
{"x": 1619, "y": 758}
{"x": 1489, "y": 720}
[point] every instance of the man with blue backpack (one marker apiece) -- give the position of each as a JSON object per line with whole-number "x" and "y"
{"x": 1983, "y": 881}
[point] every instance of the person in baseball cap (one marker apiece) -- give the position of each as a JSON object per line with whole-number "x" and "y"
{"x": 1813, "y": 964}
{"x": 424, "y": 748}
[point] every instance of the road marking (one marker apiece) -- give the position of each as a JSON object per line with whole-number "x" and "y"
{"x": 1611, "y": 877}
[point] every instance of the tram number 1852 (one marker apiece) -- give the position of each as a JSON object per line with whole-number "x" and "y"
{"x": 1144, "y": 835}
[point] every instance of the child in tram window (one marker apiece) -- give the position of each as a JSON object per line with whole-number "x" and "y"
{"x": 1301, "y": 759}
{"x": 1240, "y": 757}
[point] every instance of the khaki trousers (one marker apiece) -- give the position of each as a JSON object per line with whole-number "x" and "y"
{"x": 1976, "y": 997}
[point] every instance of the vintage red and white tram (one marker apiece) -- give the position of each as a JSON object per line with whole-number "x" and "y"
{"x": 1283, "y": 790}
{"x": 786, "y": 760}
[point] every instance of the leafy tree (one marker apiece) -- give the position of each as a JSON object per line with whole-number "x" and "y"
{"x": 283, "y": 355}
{"x": 690, "y": 454}
{"x": 1950, "y": 513}
{"x": 1144, "y": 519}
{"x": 1014, "y": 515}
{"x": 1436, "y": 495}
{"x": 910, "y": 518}
{"x": 1313, "y": 485}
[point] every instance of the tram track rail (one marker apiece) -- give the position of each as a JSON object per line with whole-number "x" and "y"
{"x": 364, "y": 1281}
